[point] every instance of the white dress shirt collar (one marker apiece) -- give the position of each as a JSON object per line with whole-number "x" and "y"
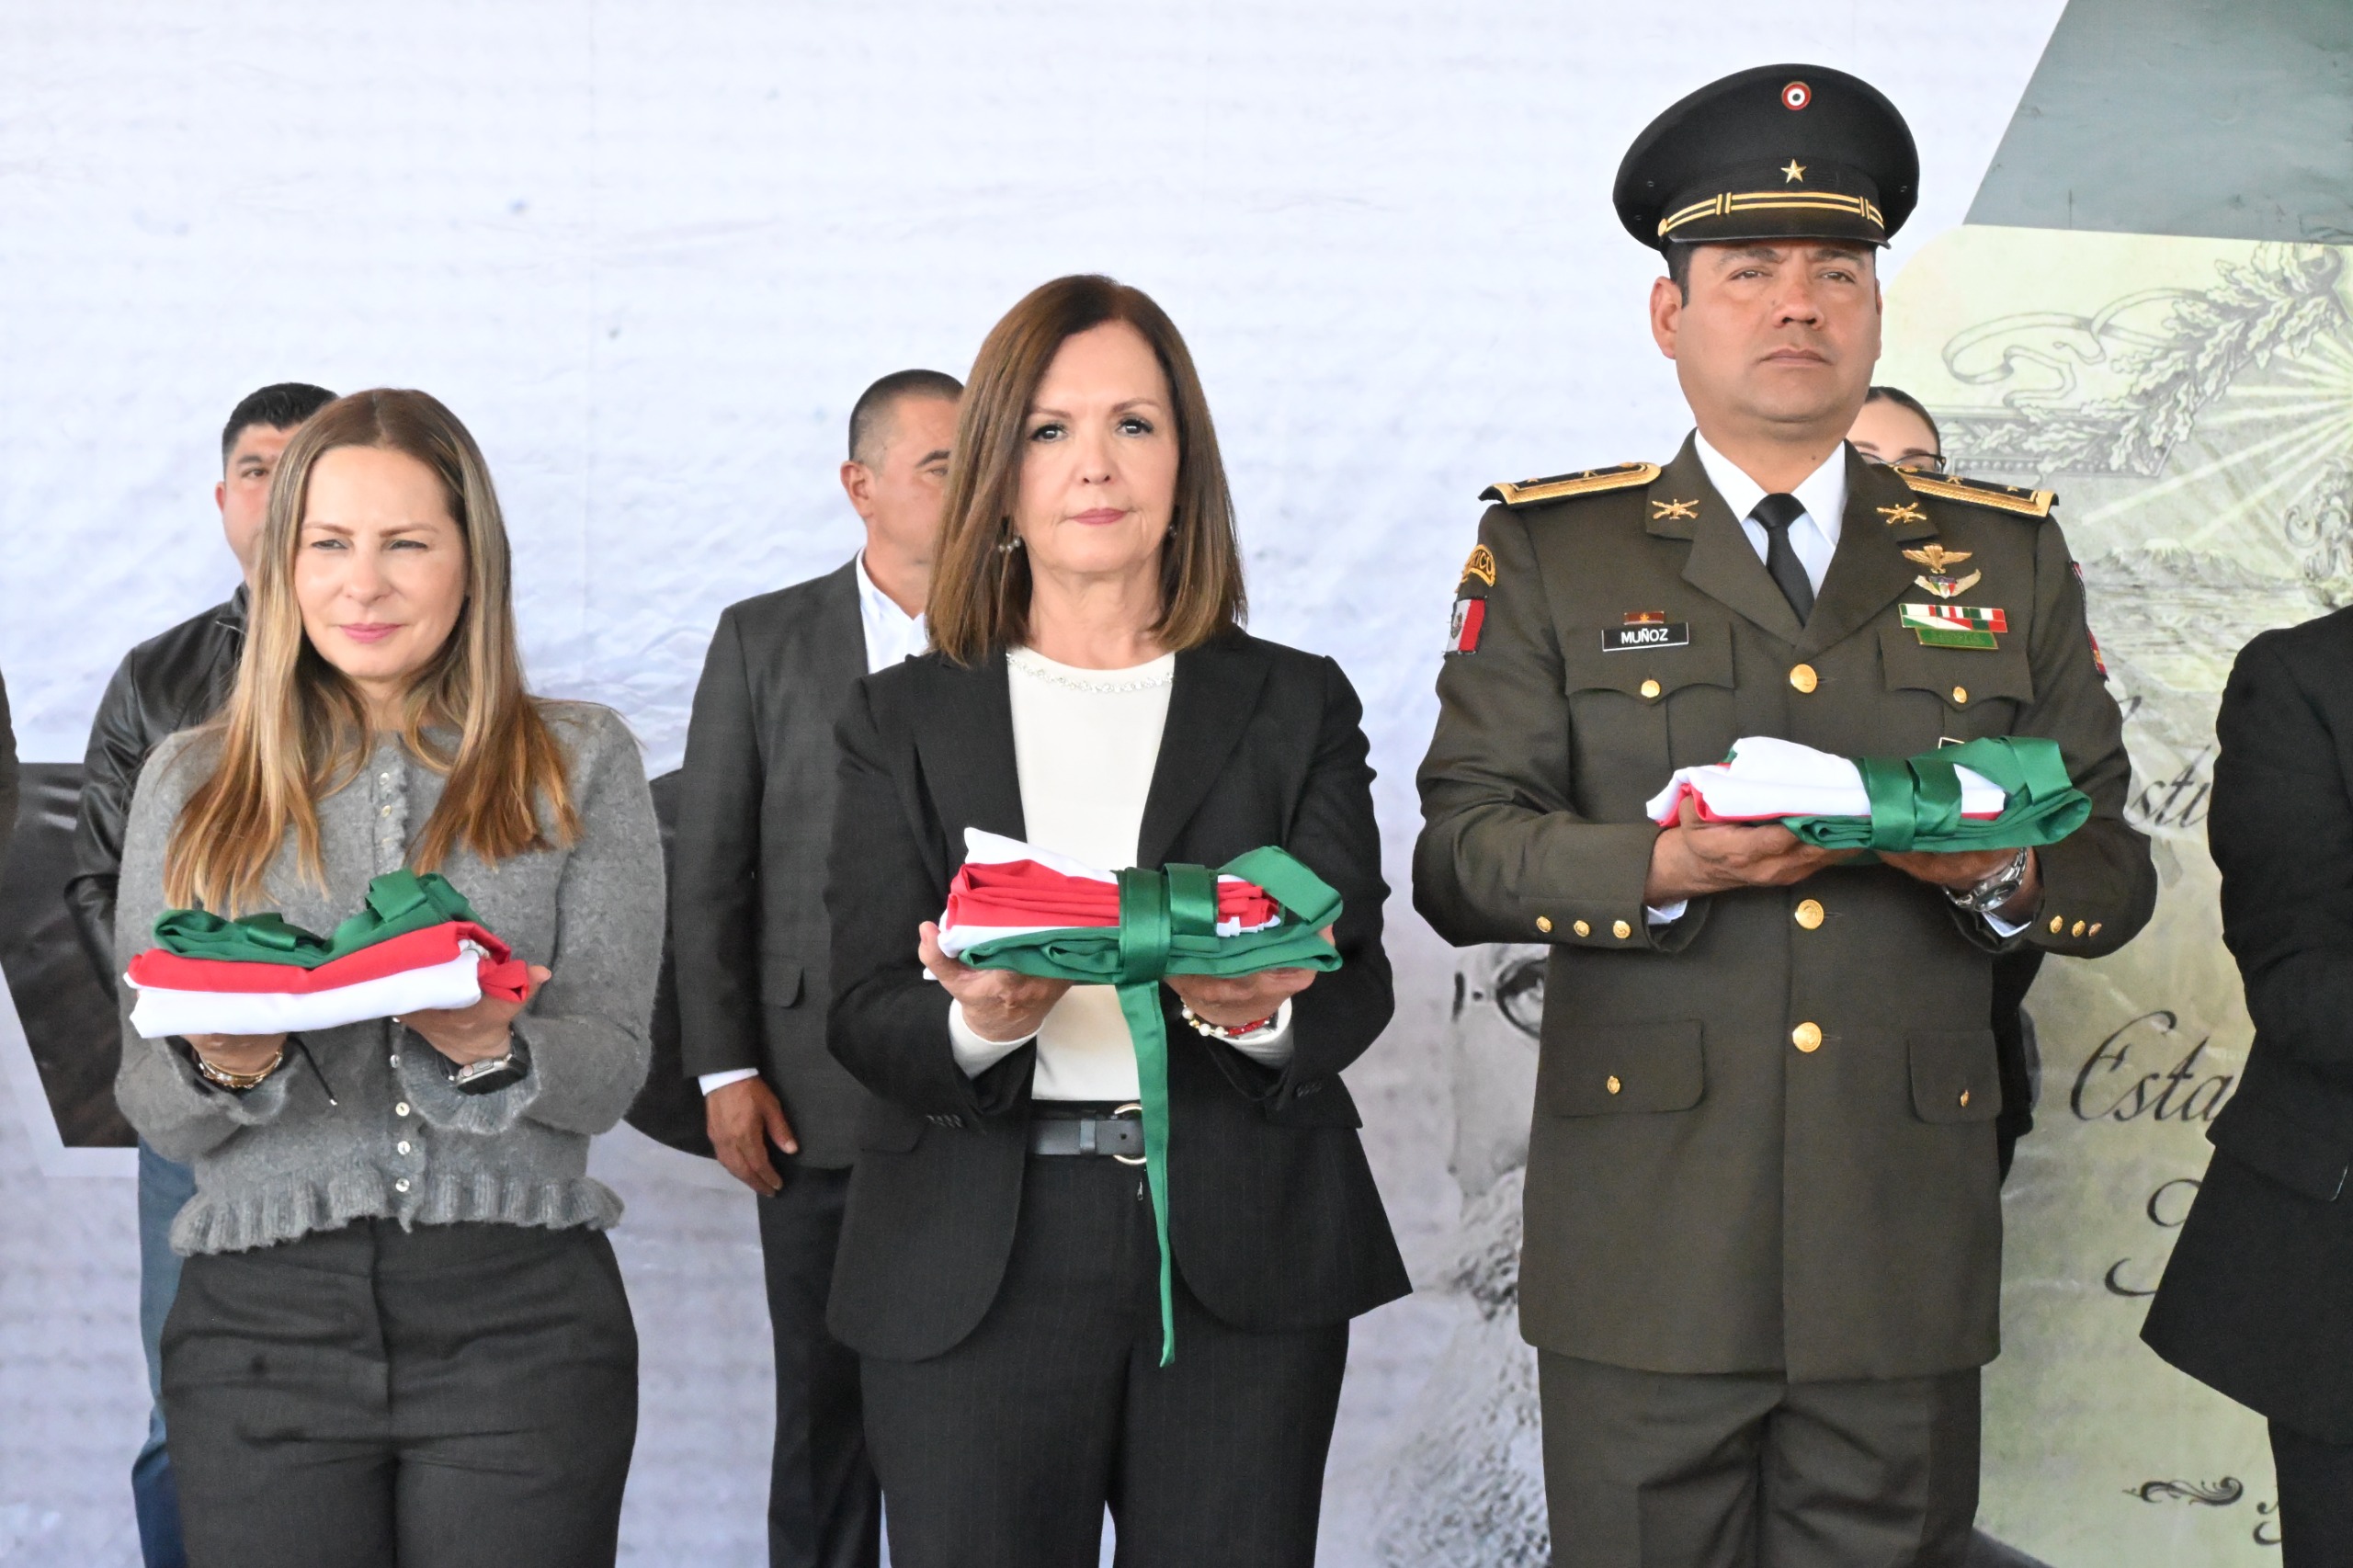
{"x": 1822, "y": 493}
{"x": 891, "y": 634}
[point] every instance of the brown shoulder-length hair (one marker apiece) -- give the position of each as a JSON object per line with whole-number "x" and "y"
{"x": 295, "y": 729}
{"x": 980, "y": 590}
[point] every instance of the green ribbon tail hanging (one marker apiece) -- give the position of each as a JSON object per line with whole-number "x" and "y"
{"x": 1152, "y": 908}
{"x": 1140, "y": 1003}
{"x": 1168, "y": 926}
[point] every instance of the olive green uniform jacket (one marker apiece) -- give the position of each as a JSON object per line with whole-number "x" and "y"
{"x": 1763, "y": 1133}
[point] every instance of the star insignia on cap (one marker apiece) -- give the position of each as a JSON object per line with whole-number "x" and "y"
{"x": 1793, "y": 171}
{"x": 1662, "y": 510}
{"x": 1907, "y": 513}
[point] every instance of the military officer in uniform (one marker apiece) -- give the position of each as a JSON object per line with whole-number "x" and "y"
{"x": 1763, "y": 1234}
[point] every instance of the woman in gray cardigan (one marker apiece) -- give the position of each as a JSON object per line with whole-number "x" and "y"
{"x": 400, "y": 1335}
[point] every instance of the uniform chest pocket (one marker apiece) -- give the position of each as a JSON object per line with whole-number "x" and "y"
{"x": 1953, "y": 693}
{"x": 1638, "y": 709}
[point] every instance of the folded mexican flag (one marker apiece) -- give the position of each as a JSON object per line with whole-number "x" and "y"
{"x": 2003, "y": 792}
{"x": 417, "y": 945}
{"x": 1017, "y": 907}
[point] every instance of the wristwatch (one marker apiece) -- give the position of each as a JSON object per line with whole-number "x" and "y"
{"x": 493, "y": 1073}
{"x": 1996, "y": 890}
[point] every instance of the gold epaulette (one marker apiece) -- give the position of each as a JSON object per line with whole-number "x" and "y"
{"x": 1528, "y": 492}
{"x": 1981, "y": 493}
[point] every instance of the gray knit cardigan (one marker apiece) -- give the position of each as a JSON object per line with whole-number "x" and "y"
{"x": 398, "y": 1142}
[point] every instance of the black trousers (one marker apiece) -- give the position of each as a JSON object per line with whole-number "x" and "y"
{"x": 2316, "y": 1500}
{"x": 445, "y": 1397}
{"x": 1664, "y": 1469}
{"x": 1003, "y": 1452}
{"x": 824, "y": 1510}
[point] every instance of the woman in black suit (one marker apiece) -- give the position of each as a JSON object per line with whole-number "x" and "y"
{"x": 1090, "y": 691}
{"x": 2257, "y": 1300}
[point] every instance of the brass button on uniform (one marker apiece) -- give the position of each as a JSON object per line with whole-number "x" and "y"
{"x": 1622, "y": 930}
{"x": 1650, "y": 689}
{"x": 1964, "y": 1098}
{"x": 1543, "y": 923}
{"x": 1582, "y": 929}
{"x": 1614, "y": 1084}
{"x": 1807, "y": 1037}
{"x": 1803, "y": 679}
{"x": 2076, "y": 929}
{"x": 1960, "y": 695}
{"x": 1809, "y": 914}
{"x": 2095, "y": 927}
{"x": 2055, "y": 924}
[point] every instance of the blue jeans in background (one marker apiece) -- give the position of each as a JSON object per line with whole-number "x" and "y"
{"x": 164, "y": 1189}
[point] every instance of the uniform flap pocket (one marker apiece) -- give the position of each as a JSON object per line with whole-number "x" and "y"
{"x": 1959, "y": 676}
{"x": 893, "y": 1130}
{"x": 779, "y": 978}
{"x": 1596, "y": 1070}
{"x": 1646, "y": 661}
{"x": 1954, "y": 1077}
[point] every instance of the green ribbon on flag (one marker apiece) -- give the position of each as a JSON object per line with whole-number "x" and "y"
{"x": 398, "y": 903}
{"x": 1168, "y": 926}
{"x": 1916, "y": 801}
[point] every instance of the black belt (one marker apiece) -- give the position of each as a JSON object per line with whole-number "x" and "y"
{"x": 1071, "y": 1127}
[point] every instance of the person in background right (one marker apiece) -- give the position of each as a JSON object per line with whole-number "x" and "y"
{"x": 1895, "y": 429}
{"x": 2257, "y": 1301}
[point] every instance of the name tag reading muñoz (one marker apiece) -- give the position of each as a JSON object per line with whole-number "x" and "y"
{"x": 1657, "y": 634}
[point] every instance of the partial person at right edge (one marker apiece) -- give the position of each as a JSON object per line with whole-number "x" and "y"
{"x": 1091, "y": 691}
{"x": 747, "y": 919}
{"x": 1895, "y": 430}
{"x": 2256, "y": 1300}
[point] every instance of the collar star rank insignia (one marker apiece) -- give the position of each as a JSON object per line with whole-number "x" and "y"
{"x": 1662, "y": 510}
{"x": 1907, "y": 513}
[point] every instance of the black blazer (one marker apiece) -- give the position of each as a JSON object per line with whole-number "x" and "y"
{"x": 748, "y": 873}
{"x": 1274, "y": 1219}
{"x": 2257, "y": 1300}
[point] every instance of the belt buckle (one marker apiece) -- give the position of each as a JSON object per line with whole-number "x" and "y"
{"x": 1117, "y": 1111}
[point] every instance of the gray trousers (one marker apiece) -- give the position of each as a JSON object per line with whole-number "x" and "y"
{"x": 454, "y": 1396}
{"x": 1660, "y": 1470}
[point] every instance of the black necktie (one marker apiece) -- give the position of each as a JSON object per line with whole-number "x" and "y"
{"x": 1774, "y": 514}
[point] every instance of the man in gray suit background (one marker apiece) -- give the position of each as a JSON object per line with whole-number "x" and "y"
{"x": 756, "y": 807}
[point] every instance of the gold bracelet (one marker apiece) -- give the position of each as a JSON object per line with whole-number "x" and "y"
{"x": 237, "y": 1080}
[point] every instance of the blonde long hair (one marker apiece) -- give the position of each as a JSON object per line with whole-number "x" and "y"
{"x": 295, "y": 729}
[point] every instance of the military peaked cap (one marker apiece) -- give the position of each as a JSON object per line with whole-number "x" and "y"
{"x": 1776, "y": 152}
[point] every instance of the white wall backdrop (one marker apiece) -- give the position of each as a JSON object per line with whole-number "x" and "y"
{"x": 652, "y": 252}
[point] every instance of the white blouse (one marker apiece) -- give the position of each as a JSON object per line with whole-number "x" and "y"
{"x": 1084, "y": 745}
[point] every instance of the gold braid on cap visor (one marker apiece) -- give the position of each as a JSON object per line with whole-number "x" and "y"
{"x": 1729, "y": 202}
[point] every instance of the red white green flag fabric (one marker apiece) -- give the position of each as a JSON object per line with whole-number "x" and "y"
{"x": 1014, "y": 906}
{"x": 1008, "y": 889}
{"x": 1995, "y": 792}
{"x": 416, "y": 946}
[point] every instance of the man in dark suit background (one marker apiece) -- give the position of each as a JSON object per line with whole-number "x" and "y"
{"x": 756, "y": 810}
